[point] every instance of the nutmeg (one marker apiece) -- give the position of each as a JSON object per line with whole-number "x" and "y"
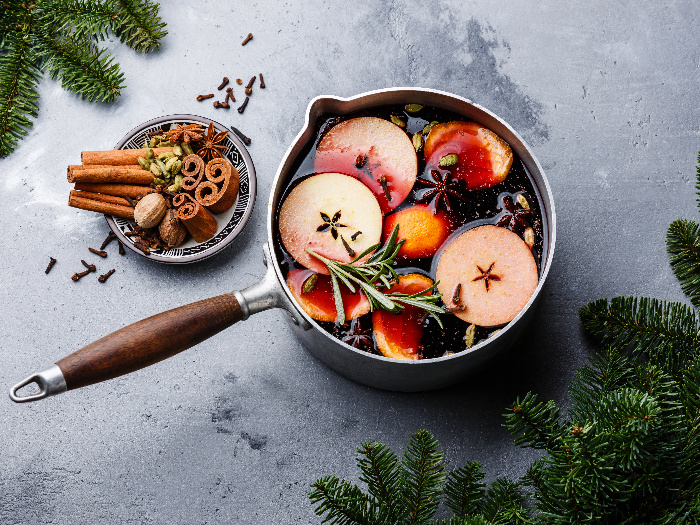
{"x": 171, "y": 229}
{"x": 150, "y": 210}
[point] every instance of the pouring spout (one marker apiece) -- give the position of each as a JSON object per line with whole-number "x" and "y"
{"x": 268, "y": 293}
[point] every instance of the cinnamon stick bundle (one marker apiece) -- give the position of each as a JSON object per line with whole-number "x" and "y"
{"x": 109, "y": 208}
{"x": 118, "y": 157}
{"x": 199, "y": 222}
{"x": 112, "y": 174}
{"x": 130, "y": 190}
{"x": 100, "y": 197}
{"x": 193, "y": 171}
{"x": 219, "y": 191}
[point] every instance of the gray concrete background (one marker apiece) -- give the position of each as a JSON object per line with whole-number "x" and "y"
{"x": 234, "y": 430}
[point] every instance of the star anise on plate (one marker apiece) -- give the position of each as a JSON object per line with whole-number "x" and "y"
{"x": 440, "y": 189}
{"x": 515, "y": 217}
{"x": 186, "y": 134}
{"x": 358, "y": 336}
{"x": 331, "y": 224}
{"x": 212, "y": 147}
{"x": 486, "y": 275}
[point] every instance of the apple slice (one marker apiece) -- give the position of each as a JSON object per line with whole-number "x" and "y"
{"x": 399, "y": 335}
{"x": 424, "y": 232}
{"x": 374, "y": 151}
{"x": 495, "y": 270}
{"x": 331, "y": 214}
{"x": 319, "y": 303}
{"x": 483, "y": 158}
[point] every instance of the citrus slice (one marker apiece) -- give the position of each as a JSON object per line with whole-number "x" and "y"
{"x": 319, "y": 302}
{"x": 423, "y": 231}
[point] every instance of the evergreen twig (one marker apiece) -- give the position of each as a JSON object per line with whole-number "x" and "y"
{"x": 138, "y": 25}
{"x": 683, "y": 245}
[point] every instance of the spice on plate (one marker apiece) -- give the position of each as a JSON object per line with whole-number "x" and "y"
{"x": 241, "y": 136}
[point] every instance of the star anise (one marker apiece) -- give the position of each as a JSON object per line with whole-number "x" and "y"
{"x": 331, "y": 224}
{"x": 211, "y": 147}
{"x": 440, "y": 189}
{"x": 486, "y": 275}
{"x": 357, "y": 336}
{"x": 515, "y": 217}
{"x": 186, "y": 134}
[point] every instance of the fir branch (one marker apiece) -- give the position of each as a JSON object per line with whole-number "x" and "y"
{"x": 82, "y": 68}
{"x": 19, "y": 77}
{"x": 423, "y": 478}
{"x": 683, "y": 245}
{"x": 138, "y": 25}
{"x": 697, "y": 181}
{"x": 536, "y": 424}
{"x": 381, "y": 471}
{"x": 343, "y": 503}
{"x": 464, "y": 490}
{"x": 503, "y": 504}
{"x": 665, "y": 333}
{"x": 81, "y": 18}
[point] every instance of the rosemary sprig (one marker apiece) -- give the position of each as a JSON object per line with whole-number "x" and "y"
{"x": 378, "y": 272}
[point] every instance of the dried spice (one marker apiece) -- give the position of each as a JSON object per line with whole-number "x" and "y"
{"x": 470, "y": 335}
{"x": 249, "y": 87}
{"x": 448, "y": 160}
{"x": 440, "y": 189}
{"x": 204, "y": 97}
{"x": 310, "y": 283}
{"x": 186, "y": 134}
{"x": 52, "y": 261}
{"x": 122, "y": 251}
{"x": 101, "y": 253}
{"x": 110, "y": 237}
{"x": 103, "y": 278}
{"x": 247, "y": 39}
{"x": 212, "y": 147}
{"x": 385, "y": 187}
{"x": 456, "y": 299}
{"x": 90, "y": 268}
{"x": 347, "y": 247}
{"x": 239, "y": 81}
{"x": 223, "y": 84}
{"x": 262, "y": 82}
{"x": 245, "y": 103}
{"x": 229, "y": 95}
{"x": 413, "y": 108}
{"x": 396, "y": 120}
{"x": 241, "y": 136}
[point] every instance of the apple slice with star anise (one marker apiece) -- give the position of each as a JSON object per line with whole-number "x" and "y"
{"x": 376, "y": 152}
{"x": 332, "y": 214}
{"x": 470, "y": 152}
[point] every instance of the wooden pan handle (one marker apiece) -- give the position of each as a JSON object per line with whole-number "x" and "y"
{"x": 149, "y": 341}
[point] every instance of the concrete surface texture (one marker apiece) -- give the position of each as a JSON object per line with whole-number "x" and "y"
{"x": 235, "y": 430}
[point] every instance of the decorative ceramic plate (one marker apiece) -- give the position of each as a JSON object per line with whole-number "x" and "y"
{"x": 229, "y": 223}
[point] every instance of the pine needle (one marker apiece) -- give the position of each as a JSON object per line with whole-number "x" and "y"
{"x": 138, "y": 25}
{"x": 81, "y": 18}
{"x": 683, "y": 245}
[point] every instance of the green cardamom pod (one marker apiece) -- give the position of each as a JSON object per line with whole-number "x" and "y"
{"x": 448, "y": 160}
{"x": 144, "y": 163}
{"x": 187, "y": 149}
{"x": 177, "y": 185}
{"x": 430, "y": 126}
{"x": 417, "y": 141}
{"x": 166, "y": 155}
{"x": 153, "y": 142}
{"x": 396, "y": 120}
{"x": 162, "y": 167}
{"x": 159, "y": 182}
{"x": 177, "y": 150}
{"x": 169, "y": 164}
{"x": 155, "y": 170}
{"x": 309, "y": 284}
{"x": 469, "y": 336}
{"x": 175, "y": 168}
{"x": 413, "y": 108}
{"x": 149, "y": 154}
{"x": 164, "y": 144}
{"x": 145, "y": 142}
{"x": 522, "y": 201}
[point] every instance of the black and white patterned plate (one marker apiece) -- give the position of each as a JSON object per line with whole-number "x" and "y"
{"x": 229, "y": 223}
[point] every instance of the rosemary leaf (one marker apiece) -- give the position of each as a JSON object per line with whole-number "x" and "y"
{"x": 339, "y": 308}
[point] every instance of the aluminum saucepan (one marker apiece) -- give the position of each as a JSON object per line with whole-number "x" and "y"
{"x": 163, "y": 335}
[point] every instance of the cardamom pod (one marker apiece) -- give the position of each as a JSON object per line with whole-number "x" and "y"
{"x": 170, "y": 163}
{"x": 165, "y": 144}
{"x": 396, "y": 120}
{"x": 309, "y": 283}
{"x": 430, "y": 126}
{"x": 177, "y": 150}
{"x": 529, "y": 237}
{"x": 177, "y": 184}
{"x": 155, "y": 170}
{"x": 522, "y": 201}
{"x": 162, "y": 167}
{"x": 149, "y": 154}
{"x": 494, "y": 333}
{"x": 448, "y": 160}
{"x": 413, "y": 108}
{"x": 166, "y": 155}
{"x": 159, "y": 181}
{"x": 187, "y": 149}
{"x": 417, "y": 141}
{"x": 144, "y": 163}
{"x": 175, "y": 168}
{"x": 154, "y": 141}
{"x": 470, "y": 335}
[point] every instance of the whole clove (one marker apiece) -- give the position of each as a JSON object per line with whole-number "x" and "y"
{"x": 456, "y": 299}
{"x": 102, "y": 278}
{"x": 121, "y": 248}
{"x": 131, "y": 201}
{"x": 110, "y": 237}
{"x": 249, "y": 87}
{"x": 229, "y": 95}
{"x": 347, "y": 247}
{"x": 245, "y": 103}
{"x": 52, "y": 261}
{"x": 156, "y": 132}
{"x": 101, "y": 253}
{"x": 204, "y": 97}
{"x": 90, "y": 268}
{"x": 247, "y": 39}
{"x": 217, "y": 104}
{"x": 223, "y": 84}
{"x": 225, "y": 105}
{"x": 355, "y": 235}
{"x": 241, "y": 136}
{"x": 385, "y": 187}
{"x": 262, "y": 82}
{"x": 453, "y": 309}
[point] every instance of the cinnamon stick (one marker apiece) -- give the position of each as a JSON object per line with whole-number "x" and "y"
{"x": 120, "y": 174}
{"x": 193, "y": 171}
{"x": 219, "y": 191}
{"x": 130, "y": 190}
{"x": 100, "y": 197}
{"x": 117, "y": 210}
{"x": 118, "y": 157}
{"x": 198, "y": 221}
